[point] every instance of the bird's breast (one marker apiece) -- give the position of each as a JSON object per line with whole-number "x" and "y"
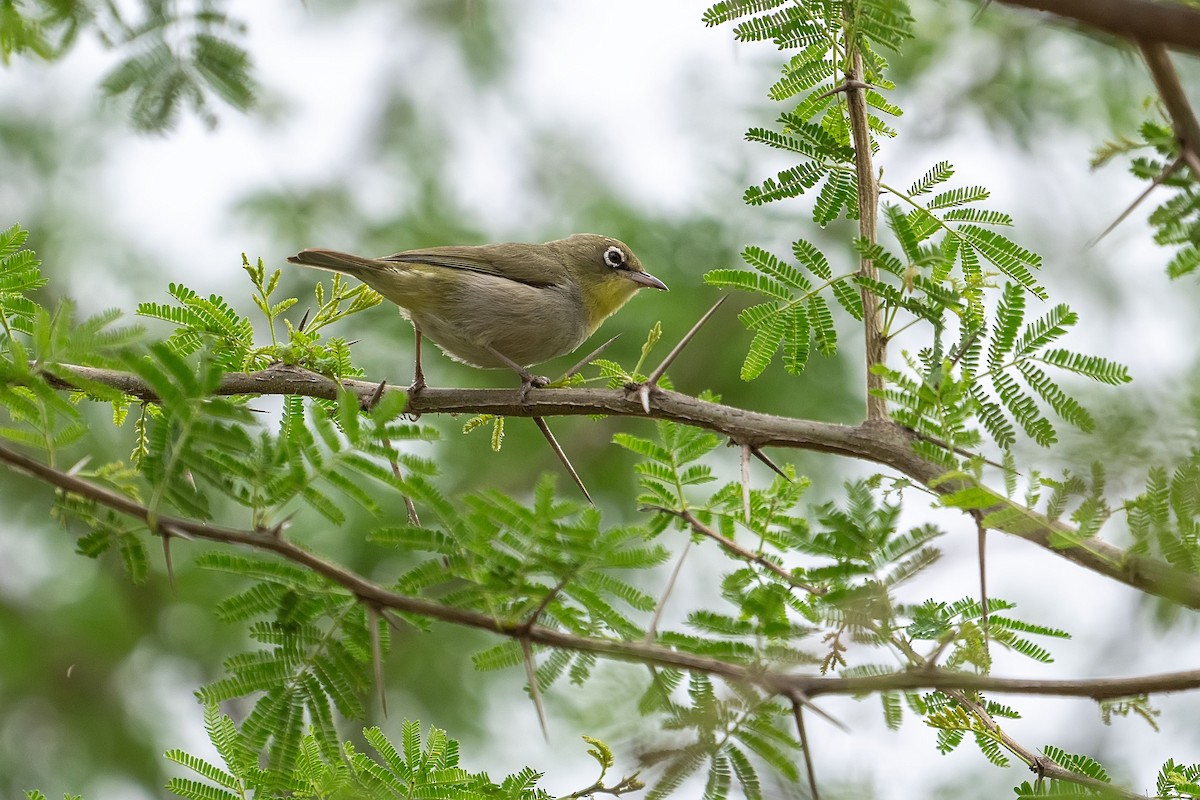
{"x": 527, "y": 324}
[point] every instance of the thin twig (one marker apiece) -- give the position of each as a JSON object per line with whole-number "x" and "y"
{"x": 413, "y": 518}
{"x": 527, "y": 652}
{"x": 589, "y": 358}
{"x": 746, "y": 482}
{"x": 652, "y": 628}
{"x": 377, "y": 655}
{"x": 1161, "y": 177}
{"x": 735, "y": 548}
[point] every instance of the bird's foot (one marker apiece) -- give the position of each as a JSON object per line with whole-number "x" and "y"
{"x": 531, "y": 381}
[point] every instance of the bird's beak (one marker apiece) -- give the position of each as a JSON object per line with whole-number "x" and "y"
{"x": 646, "y": 279}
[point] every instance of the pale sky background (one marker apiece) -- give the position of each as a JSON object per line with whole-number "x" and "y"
{"x": 607, "y": 69}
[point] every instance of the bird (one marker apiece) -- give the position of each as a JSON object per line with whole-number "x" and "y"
{"x": 513, "y": 305}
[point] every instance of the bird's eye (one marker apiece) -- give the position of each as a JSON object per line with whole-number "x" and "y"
{"x": 614, "y": 257}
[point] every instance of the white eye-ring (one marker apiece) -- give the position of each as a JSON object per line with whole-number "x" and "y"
{"x": 614, "y": 257}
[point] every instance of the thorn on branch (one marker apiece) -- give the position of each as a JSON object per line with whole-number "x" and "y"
{"x": 409, "y": 505}
{"x": 589, "y": 358}
{"x": 1159, "y": 179}
{"x": 650, "y": 385}
{"x": 534, "y": 693}
{"x": 850, "y": 83}
{"x": 373, "y": 400}
{"x": 562, "y": 456}
{"x": 761, "y": 456}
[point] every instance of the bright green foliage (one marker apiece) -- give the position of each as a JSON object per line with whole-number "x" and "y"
{"x": 953, "y": 721}
{"x": 416, "y": 769}
{"x": 210, "y": 321}
{"x": 19, "y": 275}
{"x": 552, "y": 559}
{"x": 958, "y": 387}
{"x": 173, "y": 56}
{"x": 1165, "y": 518}
{"x": 1138, "y": 706}
{"x": 962, "y": 631}
{"x": 1176, "y": 220}
{"x": 33, "y": 343}
{"x": 724, "y": 730}
{"x": 670, "y": 464}
{"x": 797, "y": 317}
{"x": 816, "y": 127}
{"x": 317, "y": 660}
{"x": 1178, "y": 781}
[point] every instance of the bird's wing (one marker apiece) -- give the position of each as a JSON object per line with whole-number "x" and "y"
{"x": 530, "y": 264}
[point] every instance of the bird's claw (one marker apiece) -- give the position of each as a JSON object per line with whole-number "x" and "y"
{"x": 531, "y": 381}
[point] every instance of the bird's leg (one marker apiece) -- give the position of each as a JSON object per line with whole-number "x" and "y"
{"x": 528, "y": 379}
{"x": 418, "y": 375}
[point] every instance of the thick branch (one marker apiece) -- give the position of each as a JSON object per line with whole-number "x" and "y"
{"x": 1172, "y": 24}
{"x": 882, "y": 443}
{"x": 868, "y": 208}
{"x": 376, "y": 596}
{"x": 1170, "y": 89}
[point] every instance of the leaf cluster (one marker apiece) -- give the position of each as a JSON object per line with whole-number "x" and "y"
{"x": 172, "y": 56}
{"x": 417, "y": 768}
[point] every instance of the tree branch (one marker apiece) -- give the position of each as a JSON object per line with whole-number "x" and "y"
{"x": 377, "y": 596}
{"x": 1166, "y": 80}
{"x": 883, "y": 443}
{"x": 868, "y": 208}
{"x": 1172, "y": 24}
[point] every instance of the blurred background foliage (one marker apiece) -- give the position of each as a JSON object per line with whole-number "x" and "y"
{"x": 97, "y": 673}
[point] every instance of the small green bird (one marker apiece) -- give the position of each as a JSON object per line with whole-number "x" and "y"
{"x": 501, "y": 305}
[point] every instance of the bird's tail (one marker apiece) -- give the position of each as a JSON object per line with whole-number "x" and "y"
{"x": 335, "y": 262}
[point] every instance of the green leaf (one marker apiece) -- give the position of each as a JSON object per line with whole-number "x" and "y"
{"x": 938, "y": 173}
{"x": 1094, "y": 367}
{"x": 763, "y": 348}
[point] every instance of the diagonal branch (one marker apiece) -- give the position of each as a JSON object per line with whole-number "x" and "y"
{"x": 771, "y": 680}
{"x": 1172, "y": 24}
{"x": 882, "y": 443}
{"x": 1170, "y": 89}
